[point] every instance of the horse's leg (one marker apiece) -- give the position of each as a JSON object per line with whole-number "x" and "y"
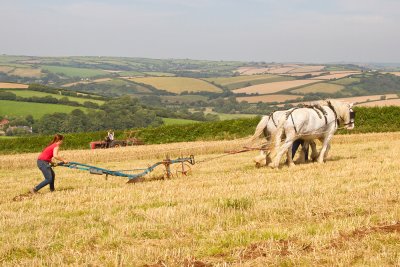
{"x": 282, "y": 149}
{"x": 303, "y": 151}
{"x": 327, "y": 151}
{"x": 259, "y": 159}
{"x": 268, "y": 159}
{"x": 289, "y": 156}
{"x": 324, "y": 147}
{"x": 314, "y": 151}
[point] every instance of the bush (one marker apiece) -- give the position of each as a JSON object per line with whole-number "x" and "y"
{"x": 7, "y": 96}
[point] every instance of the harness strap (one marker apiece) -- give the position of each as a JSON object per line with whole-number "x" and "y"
{"x": 317, "y": 108}
{"x": 323, "y": 111}
{"x": 294, "y": 125}
{"x": 272, "y": 117}
{"x": 334, "y": 111}
{"x": 290, "y": 113}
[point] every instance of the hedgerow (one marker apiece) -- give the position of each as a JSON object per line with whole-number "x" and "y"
{"x": 371, "y": 119}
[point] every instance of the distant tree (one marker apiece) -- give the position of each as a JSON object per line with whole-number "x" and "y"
{"x": 76, "y": 121}
{"x": 30, "y": 120}
{"x": 89, "y": 104}
{"x": 50, "y": 123}
{"x": 18, "y": 122}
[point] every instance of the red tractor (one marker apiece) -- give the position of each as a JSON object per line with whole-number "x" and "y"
{"x": 129, "y": 141}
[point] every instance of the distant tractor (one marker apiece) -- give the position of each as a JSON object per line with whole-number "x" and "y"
{"x": 129, "y": 141}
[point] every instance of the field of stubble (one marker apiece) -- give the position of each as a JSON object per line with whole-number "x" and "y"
{"x": 344, "y": 212}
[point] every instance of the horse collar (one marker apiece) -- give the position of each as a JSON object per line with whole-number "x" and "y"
{"x": 334, "y": 111}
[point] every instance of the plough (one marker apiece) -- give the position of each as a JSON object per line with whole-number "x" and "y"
{"x": 183, "y": 169}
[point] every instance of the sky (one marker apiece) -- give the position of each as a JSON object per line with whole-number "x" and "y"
{"x": 310, "y": 31}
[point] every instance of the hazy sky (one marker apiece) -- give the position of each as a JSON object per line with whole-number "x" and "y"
{"x": 258, "y": 30}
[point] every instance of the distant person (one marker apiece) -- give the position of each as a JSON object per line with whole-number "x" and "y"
{"x": 44, "y": 160}
{"x": 109, "y": 138}
{"x": 110, "y": 135}
{"x": 296, "y": 145}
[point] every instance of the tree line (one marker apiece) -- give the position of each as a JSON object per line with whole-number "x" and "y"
{"x": 4, "y": 95}
{"x": 121, "y": 113}
{"x": 118, "y": 114}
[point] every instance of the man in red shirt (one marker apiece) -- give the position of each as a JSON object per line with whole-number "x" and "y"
{"x": 43, "y": 162}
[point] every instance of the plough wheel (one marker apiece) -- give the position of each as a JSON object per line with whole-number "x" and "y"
{"x": 183, "y": 169}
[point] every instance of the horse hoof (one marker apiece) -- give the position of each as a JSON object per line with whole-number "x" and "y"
{"x": 273, "y": 166}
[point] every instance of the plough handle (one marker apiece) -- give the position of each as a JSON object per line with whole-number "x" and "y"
{"x": 55, "y": 164}
{"x": 191, "y": 160}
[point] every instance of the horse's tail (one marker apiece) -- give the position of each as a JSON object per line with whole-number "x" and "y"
{"x": 276, "y": 136}
{"x": 260, "y": 128}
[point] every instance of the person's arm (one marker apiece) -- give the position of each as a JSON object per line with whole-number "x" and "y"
{"x": 58, "y": 157}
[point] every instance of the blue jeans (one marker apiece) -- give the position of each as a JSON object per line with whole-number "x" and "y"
{"x": 296, "y": 145}
{"x": 48, "y": 173}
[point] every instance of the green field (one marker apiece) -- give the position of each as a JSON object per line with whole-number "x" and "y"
{"x": 125, "y": 83}
{"x": 75, "y": 72}
{"x": 159, "y": 74}
{"x": 183, "y": 98}
{"x": 223, "y": 116}
{"x": 171, "y": 121}
{"x": 346, "y": 81}
{"x": 114, "y": 87}
{"x": 37, "y": 110}
{"x": 319, "y": 88}
{"x": 30, "y": 93}
{"x": 130, "y": 73}
{"x": 247, "y": 80}
{"x": 237, "y": 79}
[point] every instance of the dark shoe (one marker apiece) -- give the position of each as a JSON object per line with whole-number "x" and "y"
{"x": 33, "y": 191}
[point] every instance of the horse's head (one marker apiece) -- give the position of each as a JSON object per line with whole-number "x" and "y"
{"x": 352, "y": 115}
{"x": 345, "y": 113}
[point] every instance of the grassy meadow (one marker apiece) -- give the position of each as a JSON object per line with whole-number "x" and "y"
{"x": 247, "y": 80}
{"x": 30, "y": 93}
{"x": 340, "y": 213}
{"x": 37, "y": 110}
{"x": 226, "y": 116}
{"x": 327, "y": 88}
{"x": 172, "y": 121}
{"x": 346, "y": 81}
{"x": 75, "y": 72}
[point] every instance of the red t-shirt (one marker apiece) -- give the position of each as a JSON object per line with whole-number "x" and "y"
{"x": 47, "y": 153}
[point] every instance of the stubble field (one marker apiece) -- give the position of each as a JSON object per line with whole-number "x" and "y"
{"x": 270, "y": 88}
{"x": 344, "y": 212}
{"x": 13, "y": 85}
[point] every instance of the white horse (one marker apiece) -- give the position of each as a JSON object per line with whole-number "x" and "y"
{"x": 306, "y": 124}
{"x": 266, "y": 128}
